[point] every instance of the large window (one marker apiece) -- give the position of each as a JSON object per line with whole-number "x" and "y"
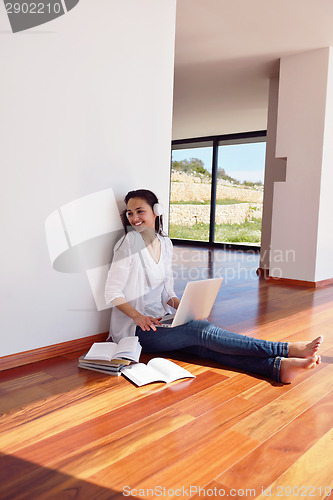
{"x": 217, "y": 189}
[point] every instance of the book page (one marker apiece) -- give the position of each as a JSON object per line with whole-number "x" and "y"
{"x": 142, "y": 374}
{"x": 102, "y": 351}
{"x": 128, "y": 347}
{"x": 170, "y": 371}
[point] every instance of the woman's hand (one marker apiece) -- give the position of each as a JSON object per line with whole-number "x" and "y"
{"x": 146, "y": 322}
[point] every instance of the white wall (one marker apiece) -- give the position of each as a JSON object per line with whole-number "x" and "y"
{"x": 301, "y": 123}
{"x": 214, "y": 99}
{"x": 86, "y": 104}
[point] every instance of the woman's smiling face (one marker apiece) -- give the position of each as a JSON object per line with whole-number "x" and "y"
{"x": 140, "y": 214}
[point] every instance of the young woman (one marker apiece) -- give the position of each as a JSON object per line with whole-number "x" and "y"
{"x": 140, "y": 287}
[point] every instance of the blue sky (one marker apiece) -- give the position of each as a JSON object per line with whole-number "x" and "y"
{"x": 244, "y": 162}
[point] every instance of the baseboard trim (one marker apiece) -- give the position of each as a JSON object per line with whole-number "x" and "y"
{"x": 264, "y": 274}
{"x": 51, "y": 351}
{"x": 309, "y": 284}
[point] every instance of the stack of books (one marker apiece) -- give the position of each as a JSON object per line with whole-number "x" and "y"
{"x": 111, "y": 358}
{"x": 123, "y": 358}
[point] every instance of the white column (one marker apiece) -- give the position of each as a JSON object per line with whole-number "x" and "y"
{"x": 324, "y": 261}
{"x": 275, "y": 170}
{"x": 301, "y": 238}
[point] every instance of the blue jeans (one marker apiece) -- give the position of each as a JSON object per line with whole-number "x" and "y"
{"x": 208, "y": 341}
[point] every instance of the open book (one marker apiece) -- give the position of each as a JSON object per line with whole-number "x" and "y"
{"x": 128, "y": 349}
{"x": 156, "y": 370}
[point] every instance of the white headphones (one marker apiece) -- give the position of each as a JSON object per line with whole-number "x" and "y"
{"x": 157, "y": 209}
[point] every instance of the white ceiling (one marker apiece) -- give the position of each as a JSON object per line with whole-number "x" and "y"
{"x": 226, "y": 51}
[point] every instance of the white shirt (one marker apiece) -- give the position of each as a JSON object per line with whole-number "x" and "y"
{"x": 154, "y": 288}
{"x": 127, "y": 278}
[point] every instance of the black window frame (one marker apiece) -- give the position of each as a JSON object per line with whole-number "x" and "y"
{"x": 216, "y": 140}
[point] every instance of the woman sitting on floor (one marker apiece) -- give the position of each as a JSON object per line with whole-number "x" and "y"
{"x": 140, "y": 287}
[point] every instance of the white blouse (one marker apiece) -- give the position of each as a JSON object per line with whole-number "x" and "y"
{"x": 142, "y": 282}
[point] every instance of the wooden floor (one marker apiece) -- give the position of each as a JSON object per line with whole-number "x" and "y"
{"x": 67, "y": 433}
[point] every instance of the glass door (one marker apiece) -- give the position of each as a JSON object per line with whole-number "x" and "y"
{"x": 239, "y": 192}
{"x": 190, "y": 196}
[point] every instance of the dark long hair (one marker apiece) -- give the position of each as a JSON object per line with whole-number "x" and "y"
{"x": 151, "y": 199}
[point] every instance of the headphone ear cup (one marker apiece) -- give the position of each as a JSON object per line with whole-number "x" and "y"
{"x": 126, "y": 215}
{"x": 158, "y": 209}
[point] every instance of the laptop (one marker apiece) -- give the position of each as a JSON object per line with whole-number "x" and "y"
{"x": 196, "y": 303}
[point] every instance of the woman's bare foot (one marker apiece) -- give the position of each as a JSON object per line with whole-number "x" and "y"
{"x": 304, "y": 349}
{"x": 291, "y": 367}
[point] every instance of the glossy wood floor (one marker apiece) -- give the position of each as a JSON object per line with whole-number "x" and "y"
{"x": 67, "y": 433}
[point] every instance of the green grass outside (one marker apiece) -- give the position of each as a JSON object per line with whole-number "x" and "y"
{"x": 248, "y": 232}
